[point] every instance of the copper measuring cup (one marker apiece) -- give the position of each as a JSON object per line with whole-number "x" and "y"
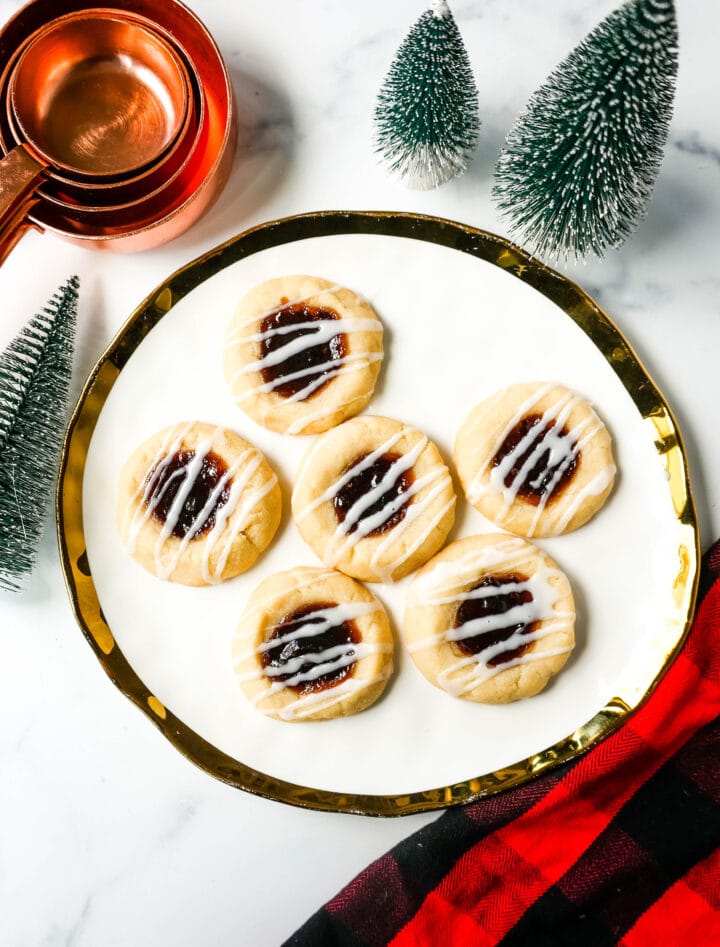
{"x": 81, "y": 94}
{"x": 96, "y": 197}
{"x": 74, "y": 190}
{"x": 98, "y": 95}
{"x": 145, "y": 222}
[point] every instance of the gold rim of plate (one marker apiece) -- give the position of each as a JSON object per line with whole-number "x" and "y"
{"x": 485, "y": 246}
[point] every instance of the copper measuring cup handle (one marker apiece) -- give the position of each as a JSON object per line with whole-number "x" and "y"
{"x": 20, "y": 176}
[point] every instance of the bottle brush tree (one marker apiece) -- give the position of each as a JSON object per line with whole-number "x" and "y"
{"x": 426, "y": 118}
{"x": 35, "y": 373}
{"x": 577, "y": 169}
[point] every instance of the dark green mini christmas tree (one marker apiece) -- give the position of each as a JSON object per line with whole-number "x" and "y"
{"x": 426, "y": 118}
{"x": 35, "y": 374}
{"x": 578, "y": 168}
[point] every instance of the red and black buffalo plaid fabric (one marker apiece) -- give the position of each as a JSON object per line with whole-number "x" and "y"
{"x": 620, "y": 846}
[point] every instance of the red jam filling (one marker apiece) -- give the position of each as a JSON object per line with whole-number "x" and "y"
{"x": 169, "y": 477}
{"x": 302, "y": 363}
{"x": 538, "y": 480}
{"x": 498, "y": 604}
{"x": 368, "y": 479}
{"x": 304, "y": 643}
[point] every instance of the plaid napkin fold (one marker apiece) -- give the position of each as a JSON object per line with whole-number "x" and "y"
{"x": 620, "y": 846}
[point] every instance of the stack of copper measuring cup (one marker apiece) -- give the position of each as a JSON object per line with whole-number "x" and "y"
{"x": 117, "y": 123}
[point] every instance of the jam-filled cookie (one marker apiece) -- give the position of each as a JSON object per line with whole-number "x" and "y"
{"x": 374, "y": 499}
{"x": 302, "y": 354}
{"x": 312, "y": 644}
{"x": 197, "y": 504}
{"x": 535, "y": 459}
{"x": 490, "y": 619}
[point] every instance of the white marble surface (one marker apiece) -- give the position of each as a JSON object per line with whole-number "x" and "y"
{"x": 107, "y": 835}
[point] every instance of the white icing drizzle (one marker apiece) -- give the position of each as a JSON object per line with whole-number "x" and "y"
{"x": 448, "y": 578}
{"x": 303, "y": 423}
{"x": 356, "y": 526}
{"x": 543, "y": 437}
{"x": 355, "y": 518}
{"x": 563, "y": 466}
{"x": 329, "y": 617}
{"x": 447, "y": 583}
{"x": 327, "y": 370}
{"x": 477, "y": 487}
{"x": 335, "y": 487}
{"x": 473, "y": 678}
{"x": 331, "y": 660}
{"x": 132, "y": 521}
{"x": 245, "y": 503}
{"x": 386, "y": 572}
{"x": 314, "y": 703}
{"x": 223, "y": 533}
{"x": 342, "y": 540}
{"x": 237, "y": 334}
{"x": 311, "y": 575}
{"x": 323, "y": 330}
{"x": 319, "y": 332}
{"x": 341, "y": 366}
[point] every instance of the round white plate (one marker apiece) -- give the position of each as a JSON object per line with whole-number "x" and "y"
{"x": 457, "y": 327}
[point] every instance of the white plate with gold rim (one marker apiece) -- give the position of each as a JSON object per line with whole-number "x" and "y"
{"x": 465, "y": 313}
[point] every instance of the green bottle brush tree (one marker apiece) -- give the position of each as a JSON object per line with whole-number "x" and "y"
{"x": 577, "y": 169}
{"x": 35, "y": 373}
{"x": 426, "y": 118}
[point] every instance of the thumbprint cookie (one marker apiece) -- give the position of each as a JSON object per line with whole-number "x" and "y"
{"x": 374, "y": 499}
{"x": 302, "y": 354}
{"x": 312, "y": 644}
{"x": 490, "y": 619}
{"x": 197, "y": 504}
{"x": 535, "y": 459}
